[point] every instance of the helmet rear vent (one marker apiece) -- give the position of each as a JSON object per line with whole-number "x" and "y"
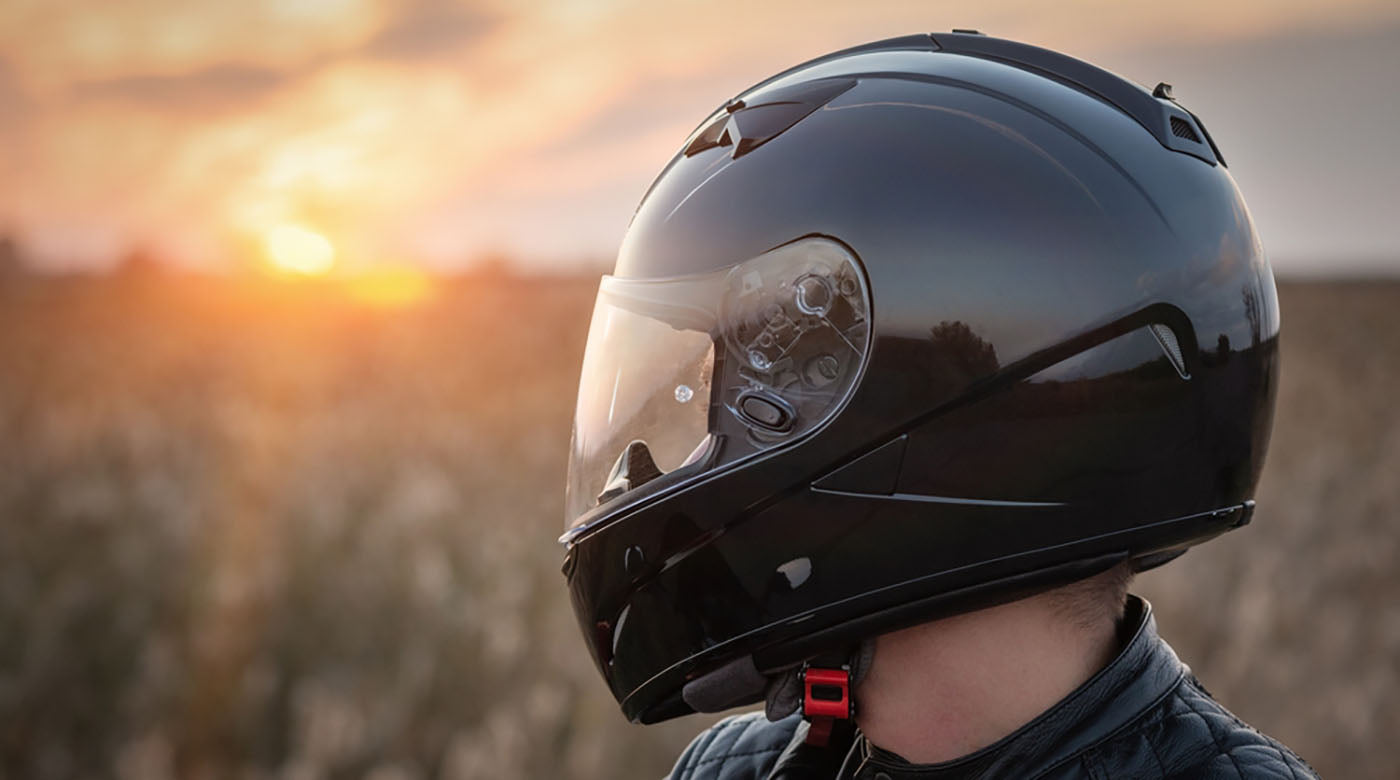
{"x": 1183, "y": 129}
{"x": 1166, "y": 339}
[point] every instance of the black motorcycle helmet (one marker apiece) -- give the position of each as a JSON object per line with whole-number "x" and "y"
{"x": 911, "y": 329}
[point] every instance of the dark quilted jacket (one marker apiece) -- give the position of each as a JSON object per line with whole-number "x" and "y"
{"x": 1143, "y": 716}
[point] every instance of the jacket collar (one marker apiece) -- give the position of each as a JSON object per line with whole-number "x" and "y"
{"x": 1145, "y": 671}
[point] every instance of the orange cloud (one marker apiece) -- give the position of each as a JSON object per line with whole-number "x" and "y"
{"x": 59, "y": 44}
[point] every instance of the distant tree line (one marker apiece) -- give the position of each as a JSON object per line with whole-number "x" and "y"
{"x": 140, "y": 261}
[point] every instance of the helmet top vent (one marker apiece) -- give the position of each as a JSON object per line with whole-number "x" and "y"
{"x": 1183, "y": 129}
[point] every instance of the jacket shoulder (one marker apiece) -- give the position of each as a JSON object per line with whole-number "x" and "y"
{"x": 740, "y": 747}
{"x": 1190, "y": 735}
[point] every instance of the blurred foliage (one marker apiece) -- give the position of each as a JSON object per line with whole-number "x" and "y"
{"x": 256, "y": 529}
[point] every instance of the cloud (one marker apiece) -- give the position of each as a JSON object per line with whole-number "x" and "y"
{"x": 56, "y": 45}
{"x": 218, "y": 85}
{"x": 427, "y": 28}
{"x": 14, "y": 102}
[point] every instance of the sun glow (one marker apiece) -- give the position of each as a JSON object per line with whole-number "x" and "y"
{"x": 299, "y": 250}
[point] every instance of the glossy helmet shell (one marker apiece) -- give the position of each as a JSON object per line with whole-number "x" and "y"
{"x": 1073, "y": 357}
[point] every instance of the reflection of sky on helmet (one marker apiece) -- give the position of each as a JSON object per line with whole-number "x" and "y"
{"x": 436, "y": 131}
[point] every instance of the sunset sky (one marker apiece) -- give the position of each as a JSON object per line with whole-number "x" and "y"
{"x": 367, "y": 132}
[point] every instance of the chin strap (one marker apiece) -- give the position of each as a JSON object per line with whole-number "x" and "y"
{"x": 821, "y": 689}
{"x": 827, "y": 705}
{"x": 787, "y": 692}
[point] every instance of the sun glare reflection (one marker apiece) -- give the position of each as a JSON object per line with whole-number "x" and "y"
{"x": 299, "y": 250}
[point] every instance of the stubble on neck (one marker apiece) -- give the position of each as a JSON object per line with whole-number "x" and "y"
{"x": 945, "y": 689}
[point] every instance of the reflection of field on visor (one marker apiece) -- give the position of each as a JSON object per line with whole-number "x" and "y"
{"x": 692, "y": 372}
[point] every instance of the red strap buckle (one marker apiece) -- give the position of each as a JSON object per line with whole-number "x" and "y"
{"x": 826, "y": 698}
{"x": 826, "y": 693}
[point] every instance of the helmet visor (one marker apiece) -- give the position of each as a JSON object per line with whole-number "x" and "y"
{"x": 689, "y": 374}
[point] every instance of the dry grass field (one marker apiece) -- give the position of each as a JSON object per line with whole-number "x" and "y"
{"x": 256, "y": 529}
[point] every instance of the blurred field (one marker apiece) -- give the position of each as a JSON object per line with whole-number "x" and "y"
{"x": 255, "y": 529}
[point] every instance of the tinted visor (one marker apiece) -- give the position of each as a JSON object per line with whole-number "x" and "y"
{"x": 689, "y": 374}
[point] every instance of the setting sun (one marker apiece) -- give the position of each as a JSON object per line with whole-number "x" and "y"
{"x": 299, "y": 250}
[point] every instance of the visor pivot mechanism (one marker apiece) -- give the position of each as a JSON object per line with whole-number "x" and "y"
{"x": 826, "y": 699}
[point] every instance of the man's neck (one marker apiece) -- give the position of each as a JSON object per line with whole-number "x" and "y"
{"x": 942, "y": 690}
